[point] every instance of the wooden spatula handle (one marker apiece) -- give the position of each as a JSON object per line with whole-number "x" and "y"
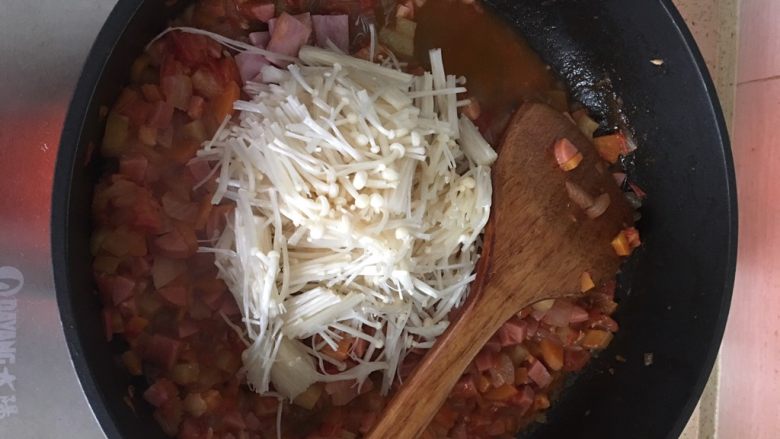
{"x": 409, "y": 412}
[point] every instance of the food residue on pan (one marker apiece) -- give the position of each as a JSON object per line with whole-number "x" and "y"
{"x": 291, "y": 214}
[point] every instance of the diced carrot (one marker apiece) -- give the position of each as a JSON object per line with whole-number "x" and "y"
{"x": 342, "y": 352}
{"x": 183, "y": 150}
{"x": 586, "y": 282}
{"x": 132, "y": 363}
{"x": 151, "y": 92}
{"x": 501, "y": 393}
{"x": 308, "y": 399}
{"x": 446, "y": 416}
{"x": 147, "y": 135}
{"x": 222, "y": 105}
{"x": 135, "y": 326}
{"x": 621, "y": 244}
{"x": 483, "y": 383}
{"x": 541, "y": 401}
{"x": 611, "y": 147}
{"x": 596, "y": 339}
{"x": 552, "y": 354}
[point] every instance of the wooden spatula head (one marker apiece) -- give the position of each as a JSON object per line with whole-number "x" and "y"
{"x": 537, "y": 245}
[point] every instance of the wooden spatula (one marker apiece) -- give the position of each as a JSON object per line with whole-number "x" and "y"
{"x": 537, "y": 245}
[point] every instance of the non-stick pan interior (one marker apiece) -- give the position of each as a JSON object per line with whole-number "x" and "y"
{"x": 675, "y": 291}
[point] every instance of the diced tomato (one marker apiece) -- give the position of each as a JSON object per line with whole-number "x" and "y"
{"x": 177, "y": 90}
{"x": 161, "y": 115}
{"x": 161, "y": 350}
{"x": 611, "y": 147}
{"x": 465, "y": 388}
{"x": 176, "y": 294}
{"x": 574, "y": 360}
{"x": 342, "y": 392}
{"x": 133, "y": 166}
{"x": 120, "y": 288}
{"x": 233, "y": 420}
{"x": 259, "y": 10}
{"x": 135, "y": 325}
{"x": 151, "y": 92}
{"x": 190, "y": 48}
{"x": 207, "y": 82}
{"x": 160, "y": 392}
{"x": 195, "y": 110}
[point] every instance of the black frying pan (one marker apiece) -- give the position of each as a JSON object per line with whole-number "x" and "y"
{"x": 675, "y": 293}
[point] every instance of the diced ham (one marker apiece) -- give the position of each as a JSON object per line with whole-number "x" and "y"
{"x": 260, "y": 39}
{"x": 465, "y": 387}
{"x": 160, "y": 392}
{"x": 133, "y": 166}
{"x": 252, "y": 423}
{"x": 139, "y": 266}
{"x": 512, "y": 332}
{"x": 493, "y": 345}
{"x": 175, "y": 294}
{"x": 250, "y": 65}
{"x": 331, "y": 27}
{"x": 522, "y": 399}
{"x": 484, "y": 360}
{"x": 304, "y": 18}
{"x": 162, "y": 351}
{"x": 161, "y": 115}
{"x": 539, "y": 374}
{"x": 187, "y": 327}
{"x": 289, "y": 34}
{"x": 342, "y": 392}
{"x": 118, "y": 288}
{"x": 233, "y": 420}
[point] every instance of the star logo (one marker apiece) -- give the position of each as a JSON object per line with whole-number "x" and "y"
{"x": 7, "y": 379}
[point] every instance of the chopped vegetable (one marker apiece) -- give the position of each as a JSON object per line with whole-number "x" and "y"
{"x": 586, "y": 282}
{"x": 566, "y": 154}
{"x": 611, "y": 147}
{"x": 600, "y": 205}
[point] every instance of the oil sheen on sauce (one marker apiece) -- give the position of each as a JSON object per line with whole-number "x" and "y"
{"x": 502, "y": 70}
